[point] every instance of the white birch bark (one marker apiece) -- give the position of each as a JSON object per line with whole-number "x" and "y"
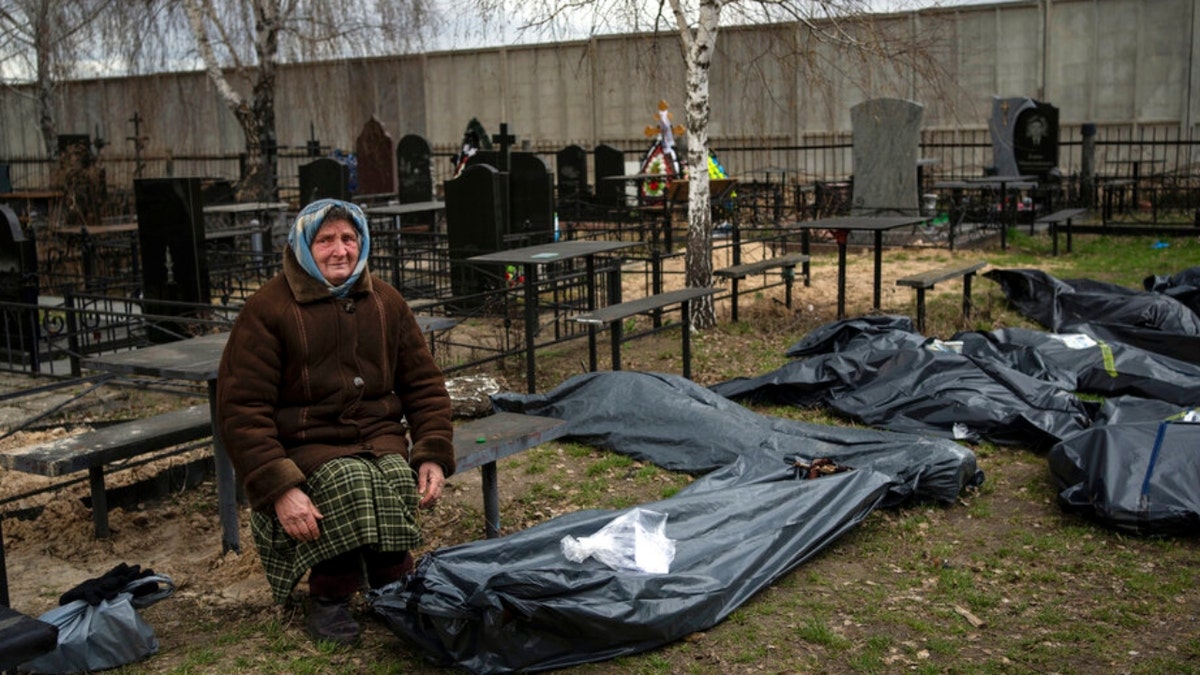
{"x": 698, "y": 46}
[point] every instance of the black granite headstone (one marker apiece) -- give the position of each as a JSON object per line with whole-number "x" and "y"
{"x": 18, "y": 284}
{"x": 476, "y": 205}
{"x": 531, "y": 194}
{"x": 414, "y": 166}
{"x": 1024, "y": 136}
{"x": 609, "y": 162}
{"x": 414, "y": 169}
{"x": 324, "y": 178}
{"x": 1035, "y": 140}
{"x": 572, "y": 181}
{"x": 171, "y": 239}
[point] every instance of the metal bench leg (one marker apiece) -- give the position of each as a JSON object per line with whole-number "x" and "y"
{"x": 734, "y": 312}
{"x": 789, "y": 275}
{"x": 3, "y": 568}
{"x": 616, "y": 329}
{"x": 99, "y": 501}
{"x": 967, "y": 295}
{"x": 1068, "y": 235}
{"x": 920, "y": 310}
{"x": 1054, "y": 238}
{"x": 491, "y": 500}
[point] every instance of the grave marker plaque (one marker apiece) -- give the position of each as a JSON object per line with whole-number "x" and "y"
{"x": 324, "y": 178}
{"x": 18, "y": 284}
{"x": 171, "y": 239}
{"x": 887, "y": 136}
{"x": 376, "y": 160}
{"x": 572, "y": 173}
{"x": 476, "y": 206}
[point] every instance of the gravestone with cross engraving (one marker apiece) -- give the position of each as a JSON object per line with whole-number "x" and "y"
{"x": 18, "y": 284}
{"x": 476, "y": 212}
{"x": 572, "y": 174}
{"x": 171, "y": 239}
{"x": 324, "y": 178}
{"x": 1024, "y": 136}
{"x": 376, "y": 160}
{"x": 887, "y": 135}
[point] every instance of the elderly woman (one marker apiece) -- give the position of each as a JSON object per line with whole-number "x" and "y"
{"x": 328, "y": 397}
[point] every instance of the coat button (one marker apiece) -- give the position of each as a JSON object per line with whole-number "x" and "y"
{"x": 358, "y": 382}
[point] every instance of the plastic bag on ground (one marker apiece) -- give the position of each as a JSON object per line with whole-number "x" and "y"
{"x": 635, "y": 541}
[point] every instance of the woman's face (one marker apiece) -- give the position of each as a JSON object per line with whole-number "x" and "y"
{"x": 335, "y": 250}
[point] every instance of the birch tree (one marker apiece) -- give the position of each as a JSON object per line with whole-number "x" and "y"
{"x": 243, "y": 42}
{"x": 43, "y": 42}
{"x": 848, "y": 25}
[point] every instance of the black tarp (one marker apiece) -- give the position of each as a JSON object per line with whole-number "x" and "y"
{"x": 1158, "y": 319}
{"x": 515, "y": 603}
{"x": 1142, "y": 478}
{"x": 877, "y": 371}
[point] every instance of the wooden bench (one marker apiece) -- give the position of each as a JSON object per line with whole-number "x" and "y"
{"x": 478, "y": 443}
{"x": 615, "y": 314}
{"x": 787, "y": 263}
{"x": 926, "y": 280}
{"x": 1058, "y": 218}
{"x": 92, "y": 450}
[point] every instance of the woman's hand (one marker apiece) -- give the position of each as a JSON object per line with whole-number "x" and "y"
{"x": 430, "y": 480}
{"x": 298, "y": 515}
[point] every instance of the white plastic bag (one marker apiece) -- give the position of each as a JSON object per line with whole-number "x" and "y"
{"x": 635, "y": 541}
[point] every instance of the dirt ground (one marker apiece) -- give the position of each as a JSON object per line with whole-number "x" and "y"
{"x": 179, "y": 535}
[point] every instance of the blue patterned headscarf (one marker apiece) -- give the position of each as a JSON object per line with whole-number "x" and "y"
{"x": 301, "y": 236}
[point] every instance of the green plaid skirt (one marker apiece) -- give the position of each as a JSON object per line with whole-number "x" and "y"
{"x": 366, "y": 501}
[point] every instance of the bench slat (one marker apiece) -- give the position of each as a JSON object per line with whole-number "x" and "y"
{"x": 928, "y": 278}
{"x": 102, "y": 446}
{"x": 480, "y": 442}
{"x": 1061, "y": 215}
{"x": 624, "y": 310}
{"x": 746, "y": 269}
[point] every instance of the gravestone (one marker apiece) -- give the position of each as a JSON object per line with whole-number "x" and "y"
{"x": 609, "y": 162}
{"x": 476, "y": 209}
{"x": 572, "y": 173}
{"x": 5, "y": 179}
{"x": 376, "y": 160}
{"x": 531, "y": 195}
{"x": 171, "y": 239}
{"x": 1024, "y": 137}
{"x": 324, "y": 178}
{"x": 414, "y": 168}
{"x": 18, "y": 284}
{"x": 887, "y": 136}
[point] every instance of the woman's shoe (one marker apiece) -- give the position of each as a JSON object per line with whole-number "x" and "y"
{"x": 330, "y": 620}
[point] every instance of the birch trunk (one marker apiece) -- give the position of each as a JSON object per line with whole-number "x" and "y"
{"x": 698, "y": 46}
{"x": 256, "y": 117}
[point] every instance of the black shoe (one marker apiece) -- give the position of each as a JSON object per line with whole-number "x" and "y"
{"x": 330, "y": 621}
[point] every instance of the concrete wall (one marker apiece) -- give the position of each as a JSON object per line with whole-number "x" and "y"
{"x": 1119, "y": 63}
